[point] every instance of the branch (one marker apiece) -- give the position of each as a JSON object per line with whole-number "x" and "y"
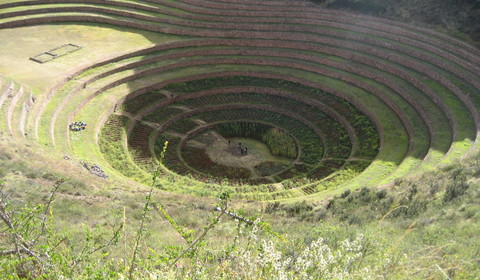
{"x": 140, "y": 230}
{"x": 11, "y": 252}
{"x": 235, "y": 216}
{"x": 198, "y": 238}
{"x": 56, "y": 186}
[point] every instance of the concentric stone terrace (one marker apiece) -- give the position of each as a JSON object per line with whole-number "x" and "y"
{"x": 323, "y": 100}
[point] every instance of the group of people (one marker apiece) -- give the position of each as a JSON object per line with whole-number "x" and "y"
{"x": 77, "y": 126}
{"x": 241, "y": 149}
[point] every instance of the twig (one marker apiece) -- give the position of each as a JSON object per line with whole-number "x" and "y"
{"x": 21, "y": 247}
{"x": 177, "y": 227}
{"x": 145, "y": 211}
{"x": 11, "y": 252}
{"x": 56, "y": 186}
{"x": 389, "y": 212}
{"x": 198, "y": 238}
{"x": 407, "y": 231}
{"x": 110, "y": 242}
{"x": 235, "y": 216}
{"x": 124, "y": 237}
{"x": 441, "y": 270}
{"x": 139, "y": 232}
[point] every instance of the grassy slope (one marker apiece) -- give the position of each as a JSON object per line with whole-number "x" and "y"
{"x": 431, "y": 217}
{"x": 431, "y": 228}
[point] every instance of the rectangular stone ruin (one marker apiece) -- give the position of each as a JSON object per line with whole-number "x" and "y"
{"x": 55, "y": 53}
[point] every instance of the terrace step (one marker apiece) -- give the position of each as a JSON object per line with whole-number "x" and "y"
{"x": 8, "y": 92}
{"x": 271, "y": 9}
{"x": 21, "y": 116}
{"x": 10, "y": 100}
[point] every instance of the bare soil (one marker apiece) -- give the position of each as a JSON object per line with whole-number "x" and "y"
{"x": 230, "y": 154}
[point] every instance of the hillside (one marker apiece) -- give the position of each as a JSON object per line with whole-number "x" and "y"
{"x": 459, "y": 18}
{"x": 228, "y": 139}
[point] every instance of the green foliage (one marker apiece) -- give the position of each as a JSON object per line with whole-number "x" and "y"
{"x": 248, "y": 257}
{"x": 279, "y": 143}
{"x": 369, "y": 143}
{"x": 242, "y": 129}
{"x": 456, "y": 186}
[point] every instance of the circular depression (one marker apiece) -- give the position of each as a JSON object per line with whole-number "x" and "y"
{"x": 332, "y": 136}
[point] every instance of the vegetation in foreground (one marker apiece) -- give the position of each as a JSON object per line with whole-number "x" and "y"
{"x": 422, "y": 228}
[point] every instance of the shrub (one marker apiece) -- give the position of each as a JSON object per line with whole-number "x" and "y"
{"x": 298, "y": 208}
{"x": 454, "y": 190}
{"x": 413, "y": 208}
{"x": 345, "y": 194}
{"x": 381, "y": 194}
{"x": 434, "y": 186}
